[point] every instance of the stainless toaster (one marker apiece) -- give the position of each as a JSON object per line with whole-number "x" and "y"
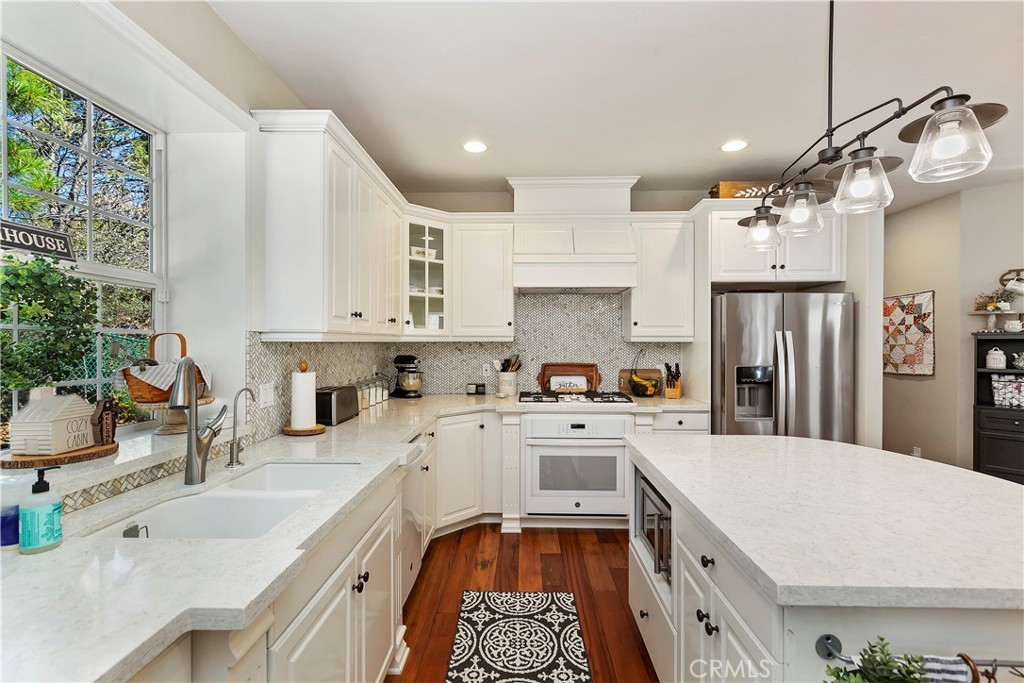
{"x": 336, "y": 404}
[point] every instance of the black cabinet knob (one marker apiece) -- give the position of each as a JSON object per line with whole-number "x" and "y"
{"x": 392, "y": 320}
{"x": 709, "y": 629}
{"x": 430, "y": 434}
{"x": 577, "y": 504}
{"x": 701, "y": 616}
{"x": 424, "y": 468}
{"x": 510, "y": 323}
{"x": 481, "y": 426}
{"x": 408, "y": 322}
{"x": 365, "y": 576}
{"x": 358, "y": 587}
{"x": 774, "y": 266}
{"x": 644, "y": 614}
{"x": 782, "y": 267}
{"x": 706, "y": 561}
{"x": 635, "y": 323}
{"x": 680, "y": 423}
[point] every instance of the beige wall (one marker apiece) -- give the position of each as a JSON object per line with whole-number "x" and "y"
{"x": 194, "y": 32}
{"x": 958, "y": 246}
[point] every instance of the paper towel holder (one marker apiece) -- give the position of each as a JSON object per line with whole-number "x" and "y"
{"x": 306, "y": 431}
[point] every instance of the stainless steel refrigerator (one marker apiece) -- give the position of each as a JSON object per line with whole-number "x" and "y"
{"x": 782, "y": 363}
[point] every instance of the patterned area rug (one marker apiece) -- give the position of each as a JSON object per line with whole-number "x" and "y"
{"x": 518, "y": 638}
{"x": 908, "y": 327}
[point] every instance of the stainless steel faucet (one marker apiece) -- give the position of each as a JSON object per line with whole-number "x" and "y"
{"x": 235, "y": 445}
{"x": 183, "y": 397}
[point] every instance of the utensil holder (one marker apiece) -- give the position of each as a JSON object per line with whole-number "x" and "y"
{"x": 507, "y": 384}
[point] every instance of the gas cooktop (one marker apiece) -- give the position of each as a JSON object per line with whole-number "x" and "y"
{"x": 587, "y": 397}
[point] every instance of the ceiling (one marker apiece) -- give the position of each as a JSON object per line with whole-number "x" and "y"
{"x": 639, "y": 88}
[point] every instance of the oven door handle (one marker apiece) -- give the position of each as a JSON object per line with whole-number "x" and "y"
{"x": 575, "y": 443}
{"x": 658, "y": 541}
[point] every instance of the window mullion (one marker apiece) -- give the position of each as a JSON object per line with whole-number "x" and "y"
{"x": 88, "y": 179}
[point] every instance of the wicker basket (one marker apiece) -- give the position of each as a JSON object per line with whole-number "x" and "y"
{"x": 143, "y": 392}
{"x": 1008, "y": 391}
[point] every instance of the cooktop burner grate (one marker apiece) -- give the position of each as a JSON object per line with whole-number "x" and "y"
{"x": 587, "y": 397}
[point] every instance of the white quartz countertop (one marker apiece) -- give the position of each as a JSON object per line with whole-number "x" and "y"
{"x": 831, "y": 524}
{"x": 101, "y": 608}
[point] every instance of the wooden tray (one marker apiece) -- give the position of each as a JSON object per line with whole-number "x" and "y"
{"x": 24, "y": 462}
{"x": 311, "y": 431}
{"x": 588, "y": 370}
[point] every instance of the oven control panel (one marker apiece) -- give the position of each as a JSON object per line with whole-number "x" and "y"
{"x": 577, "y": 426}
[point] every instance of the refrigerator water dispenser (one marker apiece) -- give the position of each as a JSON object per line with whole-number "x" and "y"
{"x": 755, "y": 389}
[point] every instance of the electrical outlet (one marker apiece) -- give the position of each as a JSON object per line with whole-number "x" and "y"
{"x": 486, "y": 369}
{"x": 267, "y": 398}
{"x": 916, "y": 451}
{"x": 374, "y": 370}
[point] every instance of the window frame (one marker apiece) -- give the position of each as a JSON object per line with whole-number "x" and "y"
{"x": 99, "y": 273}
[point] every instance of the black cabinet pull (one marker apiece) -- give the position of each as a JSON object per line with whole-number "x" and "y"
{"x": 774, "y": 266}
{"x": 706, "y": 561}
{"x": 680, "y": 423}
{"x": 635, "y": 323}
{"x": 392, "y": 320}
{"x": 424, "y": 468}
{"x": 408, "y": 323}
{"x": 577, "y": 504}
{"x": 782, "y": 267}
{"x": 430, "y": 434}
{"x": 510, "y": 323}
{"x": 644, "y": 614}
{"x": 709, "y": 629}
{"x": 358, "y": 587}
{"x": 365, "y": 576}
{"x": 701, "y": 616}
{"x": 481, "y": 426}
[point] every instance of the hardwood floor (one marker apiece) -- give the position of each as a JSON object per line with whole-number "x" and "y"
{"x": 590, "y": 563}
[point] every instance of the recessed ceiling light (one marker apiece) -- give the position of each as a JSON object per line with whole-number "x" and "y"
{"x": 475, "y": 146}
{"x": 734, "y": 145}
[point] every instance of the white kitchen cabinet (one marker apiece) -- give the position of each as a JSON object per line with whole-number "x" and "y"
{"x": 426, "y": 279}
{"x": 660, "y": 307}
{"x": 694, "y": 593}
{"x": 418, "y": 497}
{"x": 429, "y": 495}
{"x": 686, "y": 422}
{"x": 459, "y": 468}
{"x": 482, "y": 295}
{"x": 346, "y": 632}
{"x": 652, "y": 618}
{"x": 330, "y": 241}
{"x": 814, "y": 258}
{"x": 319, "y": 645}
{"x": 492, "y": 462}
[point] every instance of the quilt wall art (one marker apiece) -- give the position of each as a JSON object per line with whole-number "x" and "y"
{"x": 908, "y": 326}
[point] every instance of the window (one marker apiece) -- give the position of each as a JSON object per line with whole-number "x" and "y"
{"x": 73, "y": 164}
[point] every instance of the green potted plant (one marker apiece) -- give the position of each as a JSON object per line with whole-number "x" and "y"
{"x": 56, "y": 315}
{"x": 878, "y": 665}
{"x": 1003, "y": 298}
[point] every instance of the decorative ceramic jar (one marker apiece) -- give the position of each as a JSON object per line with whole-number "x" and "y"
{"x": 995, "y": 359}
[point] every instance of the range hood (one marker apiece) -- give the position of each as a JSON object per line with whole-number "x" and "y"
{"x": 559, "y": 257}
{"x": 593, "y": 254}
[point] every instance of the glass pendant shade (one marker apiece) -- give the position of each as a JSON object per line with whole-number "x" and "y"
{"x": 864, "y": 187}
{"x": 952, "y": 146}
{"x": 763, "y": 235}
{"x": 800, "y": 215}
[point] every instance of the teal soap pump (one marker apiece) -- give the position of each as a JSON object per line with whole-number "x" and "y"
{"x": 39, "y": 516}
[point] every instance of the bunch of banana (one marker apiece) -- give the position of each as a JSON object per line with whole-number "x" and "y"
{"x": 648, "y": 386}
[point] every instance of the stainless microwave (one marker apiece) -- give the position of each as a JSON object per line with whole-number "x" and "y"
{"x": 653, "y": 525}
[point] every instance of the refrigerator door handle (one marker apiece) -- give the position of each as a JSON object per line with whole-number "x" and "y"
{"x": 783, "y": 390}
{"x": 790, "y": 384}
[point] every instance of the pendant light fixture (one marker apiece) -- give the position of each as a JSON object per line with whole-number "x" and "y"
{"x": 762, "y": 231}
{"x": 950, "y": 145}
{"x": 800, "y": 213}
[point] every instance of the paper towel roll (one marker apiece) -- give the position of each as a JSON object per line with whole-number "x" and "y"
{"x": 303, "y": 400}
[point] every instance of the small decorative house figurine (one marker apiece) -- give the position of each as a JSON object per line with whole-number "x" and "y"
{"x": 103, "y": 422}
{"x": 51, "y": 424}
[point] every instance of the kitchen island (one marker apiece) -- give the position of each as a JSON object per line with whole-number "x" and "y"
{"x": 777, "y": 540}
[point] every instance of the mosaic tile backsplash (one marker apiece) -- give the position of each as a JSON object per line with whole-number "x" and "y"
{"x": 550, "y": 328}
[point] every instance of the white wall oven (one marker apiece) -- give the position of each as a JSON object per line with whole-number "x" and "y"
{"x": 575, "y": 464}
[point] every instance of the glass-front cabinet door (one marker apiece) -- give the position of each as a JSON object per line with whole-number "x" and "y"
{"x": 426, "y": 294}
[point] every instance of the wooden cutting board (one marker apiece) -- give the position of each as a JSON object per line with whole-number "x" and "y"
{"x": 645, "y": 373}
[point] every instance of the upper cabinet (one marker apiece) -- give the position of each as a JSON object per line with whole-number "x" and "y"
{"x": 330, "y": 234}
{"x": 482, "y": 305}
{"x": 427, "y": 276}
{"x": 660, "y": 307}
{"x": 814, "y": 258}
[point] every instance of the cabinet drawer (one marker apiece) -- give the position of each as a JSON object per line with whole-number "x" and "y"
{"x": 1001, "y": 421}
{"x": 654, "y": 624}
{"x": 682, "y": 422}
{"x": 759, "y": 612}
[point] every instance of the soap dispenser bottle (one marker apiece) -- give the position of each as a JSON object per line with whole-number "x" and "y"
{"x": 40, "y": 515}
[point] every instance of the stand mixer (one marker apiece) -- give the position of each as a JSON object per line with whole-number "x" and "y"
{"x": 409, "y": 379}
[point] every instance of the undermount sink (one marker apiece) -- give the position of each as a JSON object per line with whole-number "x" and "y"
{"x": 245, "y": 507}
{"x": 214, "y": 514}
{"x": 277, "y": 476}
